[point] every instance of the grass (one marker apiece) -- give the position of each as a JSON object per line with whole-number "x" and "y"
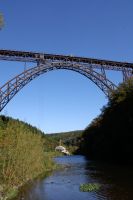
{"x": 10, "y": 192}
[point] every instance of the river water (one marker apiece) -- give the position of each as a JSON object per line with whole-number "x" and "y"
{"x": 116, "y": 181}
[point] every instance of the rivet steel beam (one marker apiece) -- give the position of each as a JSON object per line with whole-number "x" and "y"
{"x": 94, "y": 69}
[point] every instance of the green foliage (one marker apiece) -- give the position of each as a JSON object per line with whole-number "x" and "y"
{"x": 89, "y": 187}
{"x": 11, "y": 193}
{"x": 22, "y": 154}
{"x": 124, "y": 91}
{"x": 70, "y": 140}
{"x": 110, "y": 135}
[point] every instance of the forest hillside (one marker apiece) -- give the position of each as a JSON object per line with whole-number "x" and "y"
{"x": 110, "y": 135}
{"x": 23, "y": 155}
{"x": 71, "y": 140}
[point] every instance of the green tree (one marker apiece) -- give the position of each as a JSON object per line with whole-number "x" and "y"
{"x": 110, "y": 135}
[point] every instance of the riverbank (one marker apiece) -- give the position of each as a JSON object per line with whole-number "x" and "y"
{"x": 110, "y": 136}
{"x": 64, "y": 184}
{"x": 9, "y": 191}
{"x": 23, "y": 155}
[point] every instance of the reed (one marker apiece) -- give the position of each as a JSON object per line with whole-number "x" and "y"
{"x": 22, "y": 155}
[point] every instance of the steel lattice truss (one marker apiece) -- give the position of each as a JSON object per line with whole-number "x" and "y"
{"x": 47, "y": 62}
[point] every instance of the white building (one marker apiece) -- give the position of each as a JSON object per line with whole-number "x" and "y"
{"x": 62, "y": 149}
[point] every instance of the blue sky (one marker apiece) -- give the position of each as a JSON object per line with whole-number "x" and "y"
{"x": 64, "y": 100}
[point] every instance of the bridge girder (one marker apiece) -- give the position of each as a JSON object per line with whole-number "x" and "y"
{"x": 8, "y": 90}
{"x": 91, "y": 68}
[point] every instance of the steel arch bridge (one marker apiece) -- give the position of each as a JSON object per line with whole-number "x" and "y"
{"x": 94, "y": 69}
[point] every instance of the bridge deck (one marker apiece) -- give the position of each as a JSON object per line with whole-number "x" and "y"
{"x": 24, "y": 56}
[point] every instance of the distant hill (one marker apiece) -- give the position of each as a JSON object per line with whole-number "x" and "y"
{"x": 69, "y": 139}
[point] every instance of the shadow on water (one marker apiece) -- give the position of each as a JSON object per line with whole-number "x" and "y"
{"x": 116, "y": 180}
{"x": 63, "y": 184}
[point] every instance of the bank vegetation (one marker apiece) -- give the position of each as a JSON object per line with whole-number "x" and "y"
{"x": 23, "y": 155}
{"x": 110, "y": 135}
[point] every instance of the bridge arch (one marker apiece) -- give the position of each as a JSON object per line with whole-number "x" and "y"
{"x": 13, "y": 86}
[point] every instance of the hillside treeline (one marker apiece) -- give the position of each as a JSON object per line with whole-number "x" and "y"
{"x": 22, "y": 154}
{"x": 110, "y": 135}
{"x": 71, "y": 140}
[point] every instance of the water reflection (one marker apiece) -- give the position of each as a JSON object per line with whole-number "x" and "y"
{"x": 117, "y": 180}
{"x": 64, "y": 184}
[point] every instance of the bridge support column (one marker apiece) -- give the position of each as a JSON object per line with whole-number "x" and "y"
{"x": 127, "y": 73}
{"x": 103, "y": 72}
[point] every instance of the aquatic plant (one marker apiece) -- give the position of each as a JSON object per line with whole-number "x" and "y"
{"x": 89, "y": 187}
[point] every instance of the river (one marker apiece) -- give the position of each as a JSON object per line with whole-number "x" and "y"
{"x": 63, "y": 184}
